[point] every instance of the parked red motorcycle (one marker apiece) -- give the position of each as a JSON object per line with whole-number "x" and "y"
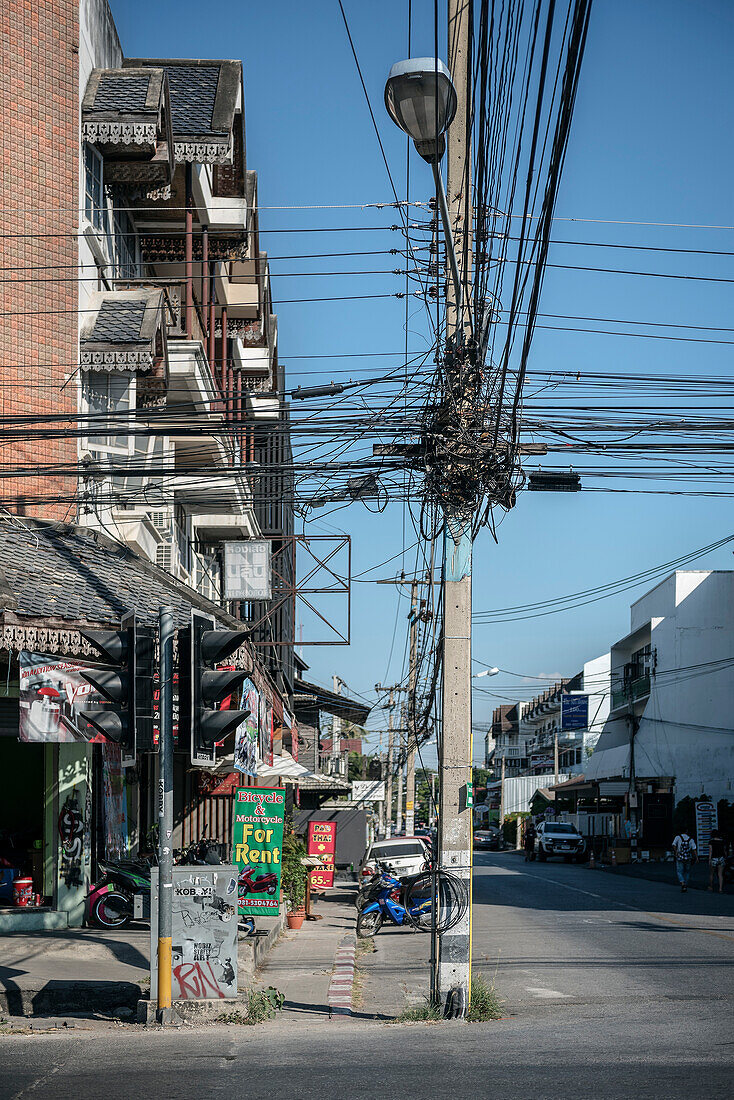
{"x": 263, "y": 884}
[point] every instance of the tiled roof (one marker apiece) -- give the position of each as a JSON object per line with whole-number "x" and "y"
{"x": 193, "y": 91}
{"x": 203, "y": 95}
{"x": 59, "y": 571}
{"x": 121, "y": 93}
{"x": 118, "y": 322}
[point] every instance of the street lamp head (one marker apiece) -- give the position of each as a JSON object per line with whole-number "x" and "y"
{"x": 486, "y": 672}
{"x": 421, "y": 99}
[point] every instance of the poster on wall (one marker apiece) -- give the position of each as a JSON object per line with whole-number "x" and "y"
{"x": 266, "y": 732}
{"x": 322, "y": 845}
{"x": 246, "y": 744}
{"x": 115, "y": 802}
{"x": 257, "y": 845}
{"x": 53, "y": 695}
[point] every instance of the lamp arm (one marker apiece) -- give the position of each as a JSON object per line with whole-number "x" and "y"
{"x": 449, "y": 237}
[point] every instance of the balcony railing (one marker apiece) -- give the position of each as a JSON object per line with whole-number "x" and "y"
{"x": 633, "y": 690}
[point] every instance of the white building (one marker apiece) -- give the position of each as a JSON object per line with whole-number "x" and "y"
{"x": 670, "y": 730}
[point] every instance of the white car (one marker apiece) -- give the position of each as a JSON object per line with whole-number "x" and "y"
{"x": 405, "y": 855}
{"x": 559, "y": 838}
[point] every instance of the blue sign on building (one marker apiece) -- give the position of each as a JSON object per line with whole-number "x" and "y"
{"x": 574, "y": 712}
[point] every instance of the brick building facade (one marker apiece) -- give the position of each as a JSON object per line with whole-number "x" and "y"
{"x": 39, "y": 197}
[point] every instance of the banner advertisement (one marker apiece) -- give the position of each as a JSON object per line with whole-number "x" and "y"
{"x": 246, "y": 744}
{"x": 257, "y": 844}
{"x": 322, "y": 845}
{"x": 52, "y": 696}
{"x": 115, "y": 802}
{"x": 266, "y": 732}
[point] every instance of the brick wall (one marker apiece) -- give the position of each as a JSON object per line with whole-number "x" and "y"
{"x": 39, "y": 150}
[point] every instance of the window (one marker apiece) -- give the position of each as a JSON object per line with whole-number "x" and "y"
{"x": 125, "y": 246}
{"x": 94, "y": 204}
{"x": 108, "y": 392}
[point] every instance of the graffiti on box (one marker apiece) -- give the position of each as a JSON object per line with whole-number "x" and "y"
{"x": 204, "y": 933}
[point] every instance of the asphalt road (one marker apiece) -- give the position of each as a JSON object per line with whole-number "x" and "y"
{"x": 612, "y": 988}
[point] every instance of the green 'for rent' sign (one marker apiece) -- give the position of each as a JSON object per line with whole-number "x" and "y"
{"x": 257, "y": 847}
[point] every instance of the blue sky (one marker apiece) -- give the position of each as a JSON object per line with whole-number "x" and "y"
{"x": 651, "y": 142}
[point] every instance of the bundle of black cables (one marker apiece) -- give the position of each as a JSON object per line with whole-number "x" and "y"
{"x": 451, "y": 896}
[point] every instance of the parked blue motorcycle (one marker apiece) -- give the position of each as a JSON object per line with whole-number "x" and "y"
{"x": 414, "y": 908}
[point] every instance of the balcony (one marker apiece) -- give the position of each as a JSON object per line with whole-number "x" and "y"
{"x": 633, "y": 691}
{"x": 223, "y": 208}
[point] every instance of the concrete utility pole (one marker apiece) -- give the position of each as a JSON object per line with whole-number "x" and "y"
{"x": 455, "y": 817}
{"x": 390, "y": 750}
{"x": 412, "y": 730}
{"x": 401, "y": 769}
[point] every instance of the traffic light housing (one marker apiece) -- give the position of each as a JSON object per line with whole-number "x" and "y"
{"x": 204, "y": 686}
{"x": 127, "y": 684}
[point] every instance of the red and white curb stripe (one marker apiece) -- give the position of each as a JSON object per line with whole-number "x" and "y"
{"x": 342, "y": 978}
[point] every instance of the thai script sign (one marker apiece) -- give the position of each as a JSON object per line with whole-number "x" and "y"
{"x": 257, "y": 846}
{"x": 363, "y": 790}
{"x": 322, "y": 845}
{"x": 247, "y": 570}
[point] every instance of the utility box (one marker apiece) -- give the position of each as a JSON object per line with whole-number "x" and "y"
{"x": 204, "y": 933}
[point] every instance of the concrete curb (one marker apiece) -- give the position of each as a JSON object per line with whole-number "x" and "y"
{"x": 54, "y": 998}
{"x": 342, "y": 978}
{"x": 253, "y": 950}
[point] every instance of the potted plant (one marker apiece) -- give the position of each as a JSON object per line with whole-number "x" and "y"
{"x": 293, "y": 878}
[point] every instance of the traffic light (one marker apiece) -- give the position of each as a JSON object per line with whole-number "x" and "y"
{"x": 204, "y": 686}
{"x": 128, "y": 685}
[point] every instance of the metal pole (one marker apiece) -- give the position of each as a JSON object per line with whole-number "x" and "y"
{"x": 401, "y": 763}
{"x": 455, "y": 820}
{"x": 412, "y": 709}
{"x": 165, "y": 1014}
{"x": 448, "y": 237}
{"x": 390, "y": 747}
{"x": 555, "y": 756}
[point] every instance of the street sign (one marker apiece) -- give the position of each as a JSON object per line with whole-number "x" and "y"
{"x": 368, "y": 791}
{"x": 322, "y": 845}
{"x": 247, "y": 570}
{"x": 707, "y": 819}
{"x": 574, "y": 712}
{"x": 257, "y": 847}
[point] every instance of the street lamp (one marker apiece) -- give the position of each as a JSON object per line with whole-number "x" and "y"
{"x": 485, "y": 672}
{"x": 421, "y": 100}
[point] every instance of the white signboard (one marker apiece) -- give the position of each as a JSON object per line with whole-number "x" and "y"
{"x": 247, "y": 573}
{"x": 368, "y": 791}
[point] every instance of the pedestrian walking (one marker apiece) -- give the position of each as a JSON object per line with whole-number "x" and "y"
{"x": 684, "y": 849}
{"x": 529, "y": 841}
{"x": 717, "y": 858}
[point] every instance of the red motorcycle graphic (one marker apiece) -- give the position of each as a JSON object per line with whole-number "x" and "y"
{"x": 263, "y": 884}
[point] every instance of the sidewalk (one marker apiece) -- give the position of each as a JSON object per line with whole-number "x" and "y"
{"x": 313, "y": 966}
{"x": 74, "y": 970}
{"x": 91, "y": 970}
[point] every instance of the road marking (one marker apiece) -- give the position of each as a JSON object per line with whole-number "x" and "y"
{"x": 540, "y": 991}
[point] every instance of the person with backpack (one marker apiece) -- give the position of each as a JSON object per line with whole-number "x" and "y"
{"x": 684, "y": 849}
